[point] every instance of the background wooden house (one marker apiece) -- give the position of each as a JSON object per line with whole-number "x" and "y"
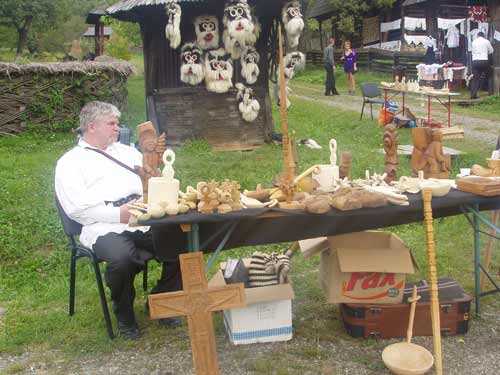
{"x": 186, "y": 112}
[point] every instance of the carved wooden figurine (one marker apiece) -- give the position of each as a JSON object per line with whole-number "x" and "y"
{"x": 492, "y": 171}
{"x": 152, "y": 148}
{"x": 390, "y": 140}
{"x": 197, "y": 301}
{"x": 345, "y": 165}
{"x": 428, "y": 153}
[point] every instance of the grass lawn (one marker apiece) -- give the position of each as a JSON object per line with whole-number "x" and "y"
{"x": 34, "y": 257}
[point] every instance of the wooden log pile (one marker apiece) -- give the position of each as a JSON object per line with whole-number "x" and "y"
{"x": 50, "y": 95}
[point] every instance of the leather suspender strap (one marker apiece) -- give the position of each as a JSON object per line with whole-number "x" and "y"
{"x": 115, "y": 160}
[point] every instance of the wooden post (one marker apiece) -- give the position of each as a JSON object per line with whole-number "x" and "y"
{"x": 434, "y": 294}
{"x": 320, "y": 35}
{"x": 197, "y": 302}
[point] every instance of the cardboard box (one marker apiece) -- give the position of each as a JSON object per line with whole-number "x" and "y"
{"x": 267, "y": 317}
{"x": 363, "y": 267}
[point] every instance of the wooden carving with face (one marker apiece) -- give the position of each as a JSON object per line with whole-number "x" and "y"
{"x": 247, "y": 104}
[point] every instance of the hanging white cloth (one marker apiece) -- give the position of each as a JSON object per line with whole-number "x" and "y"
{"x": 415, "y": 39}
{"x": 412, "y": 24}
{"x": 444, "y": 23}
{"x": 452, "y": 36}
{"x": 496, "y": 36}
{"x": 388, "y": 26}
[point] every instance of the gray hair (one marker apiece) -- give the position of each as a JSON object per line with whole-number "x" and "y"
{"x": 95, "y": 110}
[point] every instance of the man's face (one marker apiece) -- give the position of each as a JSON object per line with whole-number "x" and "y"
{"x": 105, "y": 129}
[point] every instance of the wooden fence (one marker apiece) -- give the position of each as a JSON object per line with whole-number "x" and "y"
{"x": 377, "y": 61}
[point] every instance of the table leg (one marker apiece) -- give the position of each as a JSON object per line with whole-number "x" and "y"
{"x": 404, "y": 95}
{"x": 428, "y": 110}
{"x": 195, "y": 233}
{"x": 477, "y": 262}
{"x": 449, "y": 110}
{"x": 385, "y": 106}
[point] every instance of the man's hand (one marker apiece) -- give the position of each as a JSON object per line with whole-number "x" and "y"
{"x": 124, "y": 214}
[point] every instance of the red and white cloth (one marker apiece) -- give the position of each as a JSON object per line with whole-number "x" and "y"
{"x": 477, "y": 13}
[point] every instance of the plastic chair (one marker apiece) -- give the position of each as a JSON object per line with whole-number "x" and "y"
{"x": 371, "y": 94}
{"x": 72, "y": 229}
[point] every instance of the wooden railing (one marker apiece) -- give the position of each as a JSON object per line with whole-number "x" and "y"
{"x": 378, "y": 61}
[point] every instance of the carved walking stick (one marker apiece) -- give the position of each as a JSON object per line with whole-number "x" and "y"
{"x": 434, "y": 296}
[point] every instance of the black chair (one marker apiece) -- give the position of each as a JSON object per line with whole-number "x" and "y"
{"x": 72, "y": 229}
{"x": 371, "y": 95}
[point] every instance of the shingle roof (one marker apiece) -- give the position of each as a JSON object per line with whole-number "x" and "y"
{"x": 321, "y": 9}
{"x": 125, "y": 5}
{"x": 413, "y": 2}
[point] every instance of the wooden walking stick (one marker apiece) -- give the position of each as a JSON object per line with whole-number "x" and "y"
{"x": 434, "y": 296}
{"x": 489, "y": 249}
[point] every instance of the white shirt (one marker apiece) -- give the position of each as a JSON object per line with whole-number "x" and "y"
{"x": 481, "y": 47}
{"x": 84, "y": 179}
{"x": 452, "y": 37}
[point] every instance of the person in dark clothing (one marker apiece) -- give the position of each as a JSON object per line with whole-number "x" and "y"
{"x": 329, "y": 61}
{"x": 94, "y": 190}
{"x": 481, "y": 50}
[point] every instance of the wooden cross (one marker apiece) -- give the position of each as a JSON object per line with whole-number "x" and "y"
{"x": 197, "y": 302}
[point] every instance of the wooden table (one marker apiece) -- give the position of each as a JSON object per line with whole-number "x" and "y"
{"x": 252, "y": 227}
{"x": 430, "y": 94}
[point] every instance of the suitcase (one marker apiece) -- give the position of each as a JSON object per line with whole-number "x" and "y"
{"x": 388, "y": 321}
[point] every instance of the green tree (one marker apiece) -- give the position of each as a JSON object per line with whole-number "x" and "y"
{"x": 21, "y": 14}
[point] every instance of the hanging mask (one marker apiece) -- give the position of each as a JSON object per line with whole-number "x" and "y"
{"x": 192, "y": 68}
{"x": 172, "y": 29}
{"x": 250, "y": 65}
{"x": 292, "y": 18}
{"x": 207, "y": 31}
{"x": 247, "y": 104}
{"x": 218, "y": 71}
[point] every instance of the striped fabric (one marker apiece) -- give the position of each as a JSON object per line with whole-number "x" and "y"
{"x": 268, "y": 269}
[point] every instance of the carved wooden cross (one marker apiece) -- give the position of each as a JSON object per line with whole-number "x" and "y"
{"x": 197, "y": 302}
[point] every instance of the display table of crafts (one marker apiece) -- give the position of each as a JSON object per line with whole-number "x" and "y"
{"x": 250, "y": 227}
{"x": 436, "y": 94}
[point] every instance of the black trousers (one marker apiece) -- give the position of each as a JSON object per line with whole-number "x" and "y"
{"x": 125, "y": 254}
{"x": 330, "y": 80}
{"x": 478, "y": 68}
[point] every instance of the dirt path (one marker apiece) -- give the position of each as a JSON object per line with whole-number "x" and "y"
{"x": 481, "y": 130}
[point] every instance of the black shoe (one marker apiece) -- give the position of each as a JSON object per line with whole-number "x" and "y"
{"x": 169, "y": 322}
{"x": 129, "y": 331}
{"x": 336, "y": 92}
{"x": 327, "y": 94}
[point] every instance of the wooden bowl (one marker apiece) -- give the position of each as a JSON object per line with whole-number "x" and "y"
{"x": 438, "y": 188}
{"x": 405, "y": 358}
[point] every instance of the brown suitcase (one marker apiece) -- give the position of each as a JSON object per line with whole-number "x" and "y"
{"x": 387, "y": 321}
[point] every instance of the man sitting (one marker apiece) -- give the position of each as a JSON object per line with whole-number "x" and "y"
{"x": 94, "y": 191}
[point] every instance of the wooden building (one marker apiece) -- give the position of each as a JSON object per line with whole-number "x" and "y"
{"x": 99, "y": 34}
{"x": 494, "y": 15}
{"x": 187, "y": 112}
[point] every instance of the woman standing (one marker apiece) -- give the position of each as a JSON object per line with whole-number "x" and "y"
{"x": 350, "y": 65}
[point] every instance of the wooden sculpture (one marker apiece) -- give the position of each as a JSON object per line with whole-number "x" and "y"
{"x": 434, "y": 295}
{"x": 287, "y": 179}
{"x": 390, "y": 140}
{"x": 197, "y": 301}
{"x": 345, "y": 165}
{"x": 492, "y": 171}
{"x": 152, "y": 148}
{"x": 428, "y": 153}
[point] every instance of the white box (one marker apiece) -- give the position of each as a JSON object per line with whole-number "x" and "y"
{"x": 266, "y": 318}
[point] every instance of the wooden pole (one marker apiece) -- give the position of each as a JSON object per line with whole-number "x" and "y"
{"x": 434, "y": 296}
{"x": 284, "y": 125}
{"x": 489, "y": 249}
